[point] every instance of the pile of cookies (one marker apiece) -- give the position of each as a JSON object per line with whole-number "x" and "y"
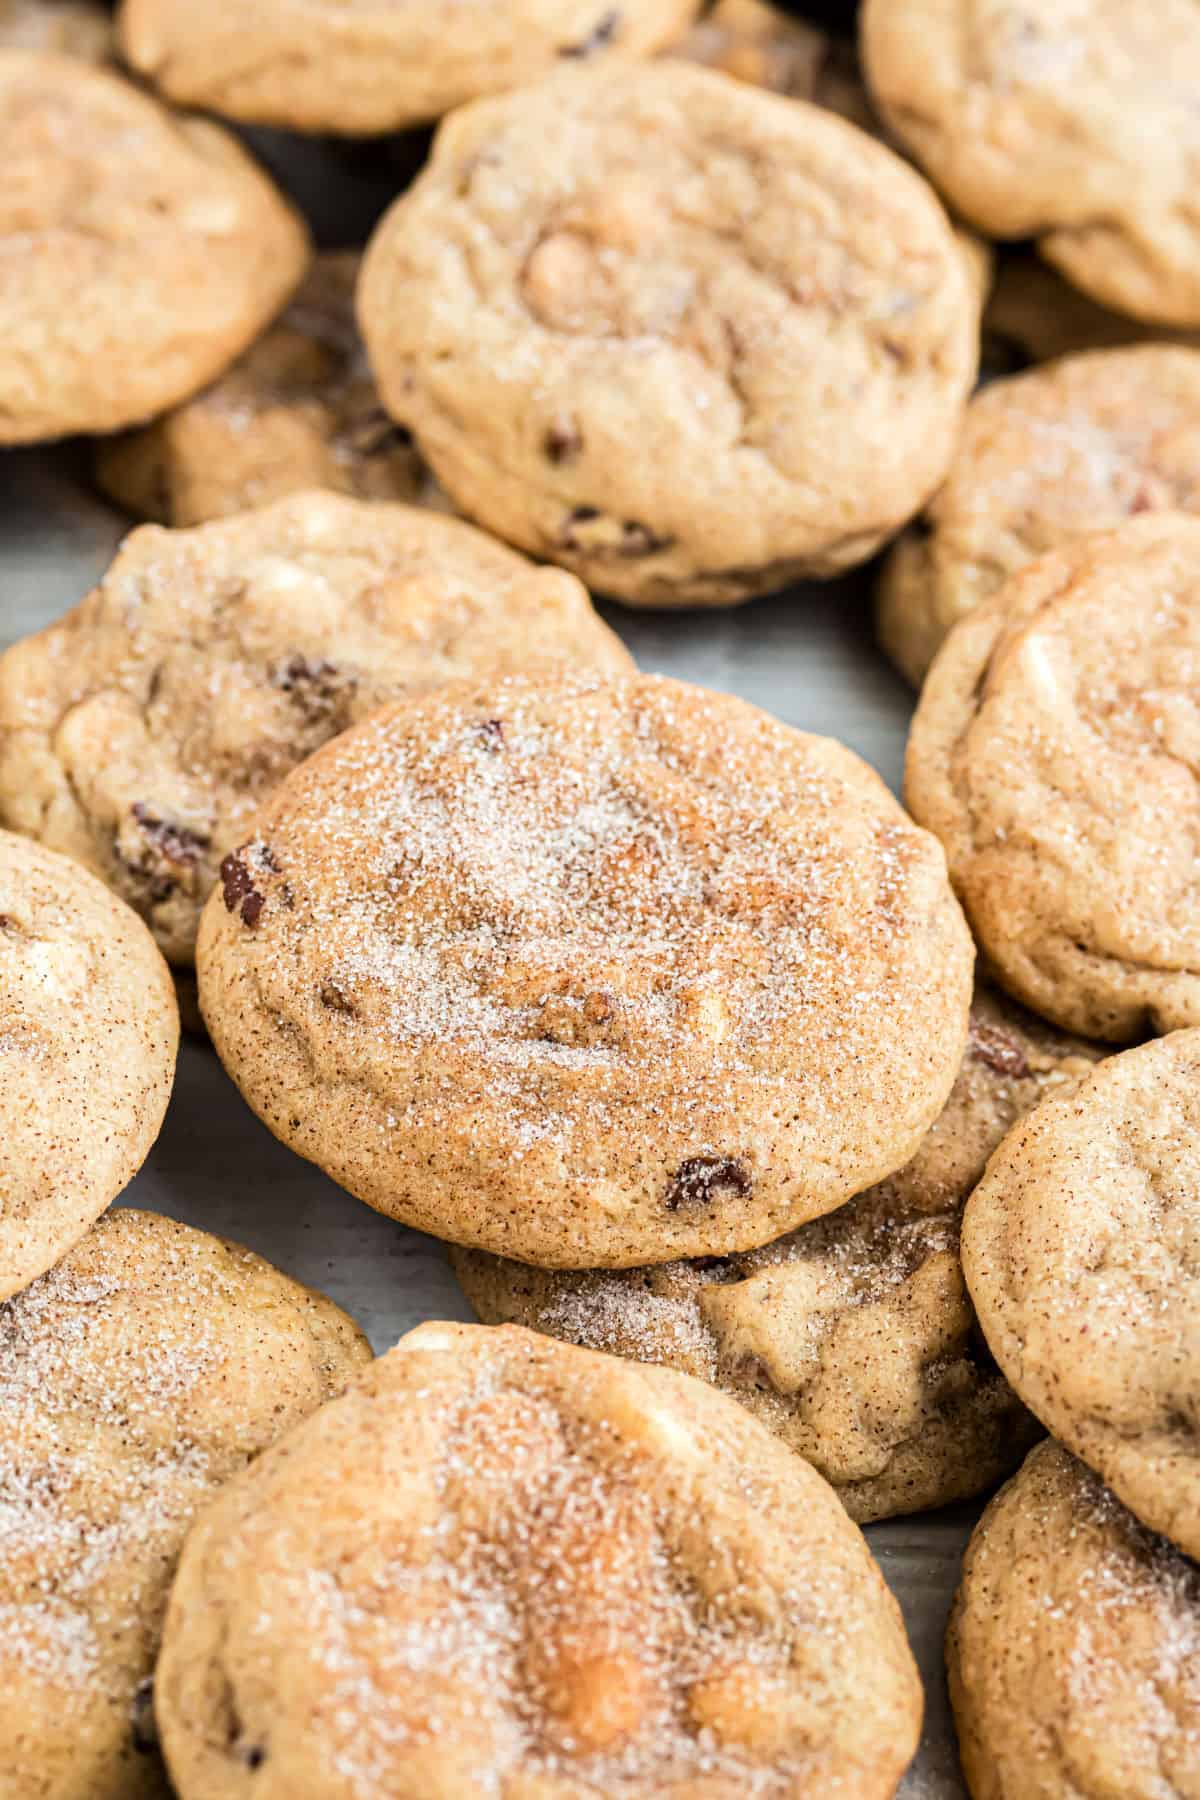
{"x": 806, "y": 1158}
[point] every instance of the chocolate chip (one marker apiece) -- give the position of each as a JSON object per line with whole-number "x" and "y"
{"x": 318, "y": 687}
{"x": 176, "y": 842}
{"x": 988, "y": 1044}
{"x": 562, "y": 442}
{"x": 624, "y": 538}
{"x": 142, "y": 1728}
{"x": 331, "y": 995}
{"x": 238, "y": 890}
{"x": 491, "y": 734}
{"x": 697, "y": 1181}
{"x": 602, "y": 33}
{"x": 253, "y": 1755}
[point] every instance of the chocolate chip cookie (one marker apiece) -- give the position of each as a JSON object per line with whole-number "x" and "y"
{"x": 1074, "y": 1646}
{"x": 1045, "y": 457}
{"x": 135, "y": 1378}
{"x": 1054, "y": 752}
{"x": 88, "y": 1033}
{"x": 1075, "y": 124}
{"x": 689, "y": 339}
{"x": 140, "y": 251}
{"x": 1032, "y": 315}
{"x": 70, "y": 27}
{"x": 298, "y": 410}
{"x": 533, "y": 1570}
{"x": 141, "y": 733}
{"x": 852, "y": 1338}
{"x": 1081, "y": 1248}
{"x": 589, "y": 971}
{"x": 376, "y": 65}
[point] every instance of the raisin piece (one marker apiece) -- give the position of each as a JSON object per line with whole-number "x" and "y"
{"x": 998, "y": 1050}
{"x": 238, "y": 890}
{"x": 602, "y": 33}
{"x": 697, "y": 1181}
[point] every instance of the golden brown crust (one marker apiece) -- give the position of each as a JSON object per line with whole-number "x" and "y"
{"x": 747, "y": 357}
{"x": 540, "y": 1571}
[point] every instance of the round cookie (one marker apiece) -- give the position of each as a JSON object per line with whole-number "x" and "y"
{"x": 1081, "y": 1248}
{"x": 135, "y": 1378}
{"x": 88, "y": 1034}
{"x": 1074, "y": 1647}
{"x": 372, "y": 66}
{"x": 1054, "y": 751}
{"x": 589, "y": 972}
{"x": 70, "y": 27}
{"x": 140, "y": 252}
{"x": 1074, "y": 124}
{"x": 298, "y": 410}
{"x": 853, "y": 1337}
{"x": 502, "y": 1565}
{"x": 141, "y": 733}
{"x": 692, "y": 340}
{"x": 1033, "y": 315}
{"x": 1044, "y": 457}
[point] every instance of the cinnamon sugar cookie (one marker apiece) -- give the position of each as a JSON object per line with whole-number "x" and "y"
{"x": 298, "y": 410}
{"x": 585, "y": 971}
{"x": 499, "y": 1565}
{"x": 852, "y": 1338}
{"x": 368, "y": 66}
{"x": 1045, "y": 457}
{"x": 71, "y": 27}
{"x": 88, "y": 1033}
{"x": 1081, "y": 1247}
{"x": 135, "y": 1378}
{"x": 1074, "y": 1647}
{"x": 1054, "y": 752}
{"x": 1075, "y": 124}
{"x": 140, "y": 252}
{"x": 689, "y": 339}
{"x": 141, "y": 733}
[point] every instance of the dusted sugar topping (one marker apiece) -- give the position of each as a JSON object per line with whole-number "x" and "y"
{"x": 146, "y": 1368}
{"x": 549, "y": 1570}
{"x": 589, "y": 970}
{"x": 1074, "y": 1645}
{"x": 143, "y": 731}
{"x": 1081, "y": 1247}
{"x": 689, "y": 339}
{"x": 88, "y": 1033}
{"x": 853, "y": 1338}
{"x": 1055, "y": 752}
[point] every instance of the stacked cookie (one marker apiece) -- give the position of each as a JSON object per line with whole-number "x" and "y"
{"x": 779, "y": 1215}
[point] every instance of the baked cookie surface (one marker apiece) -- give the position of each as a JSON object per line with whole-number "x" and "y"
{"x": 1074, "y": 1646}
{"x": 1053, "y": 751}
{"x": 88, "y": 1034}
{"x": 1080, "y": 1248}
{"x": 140, "y": 252}
{"x": 853, "y": 1338}
{"x": 69, "y": 27}
{"x": 1044, "y": 458}
{"x": 141, "y": 733}
{"x": 588, "y": 971}
{"x": 689, "y": 339}
{"x": 298, "y": 410}
{"x": 135, "y": 1378}
{"x": 553, "y": 1573}
{"x": 367, "y": 66}
{"x": 1074, "y": 124}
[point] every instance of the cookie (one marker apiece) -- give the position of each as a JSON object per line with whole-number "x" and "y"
{"x": 141, "y": 733}
{"x": 366, "y": 67}
{"x": 88, "y": 1034}
{"x": 1044, "y": 458}
{"x": 853, "y": 1337}
{"x": 1080, "y": 1251}
{"x": 135, "y": 1378}
{"x": 689, "y": 339}
{"x": 69, "y": 27}
{"x": 502, "y": 1565}
{"x": 1053, "y": 752}
{"x": 1074, "y": 1647}
{"x": 1072, "y": 124}
{"x": 298, "y": 410}
{"x": 589, "y": 971}
{"x": 140, "y": 252}
{"x": 1032, "y": 315}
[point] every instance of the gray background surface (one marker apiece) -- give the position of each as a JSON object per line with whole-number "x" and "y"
{"x": 807, "y": 657}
